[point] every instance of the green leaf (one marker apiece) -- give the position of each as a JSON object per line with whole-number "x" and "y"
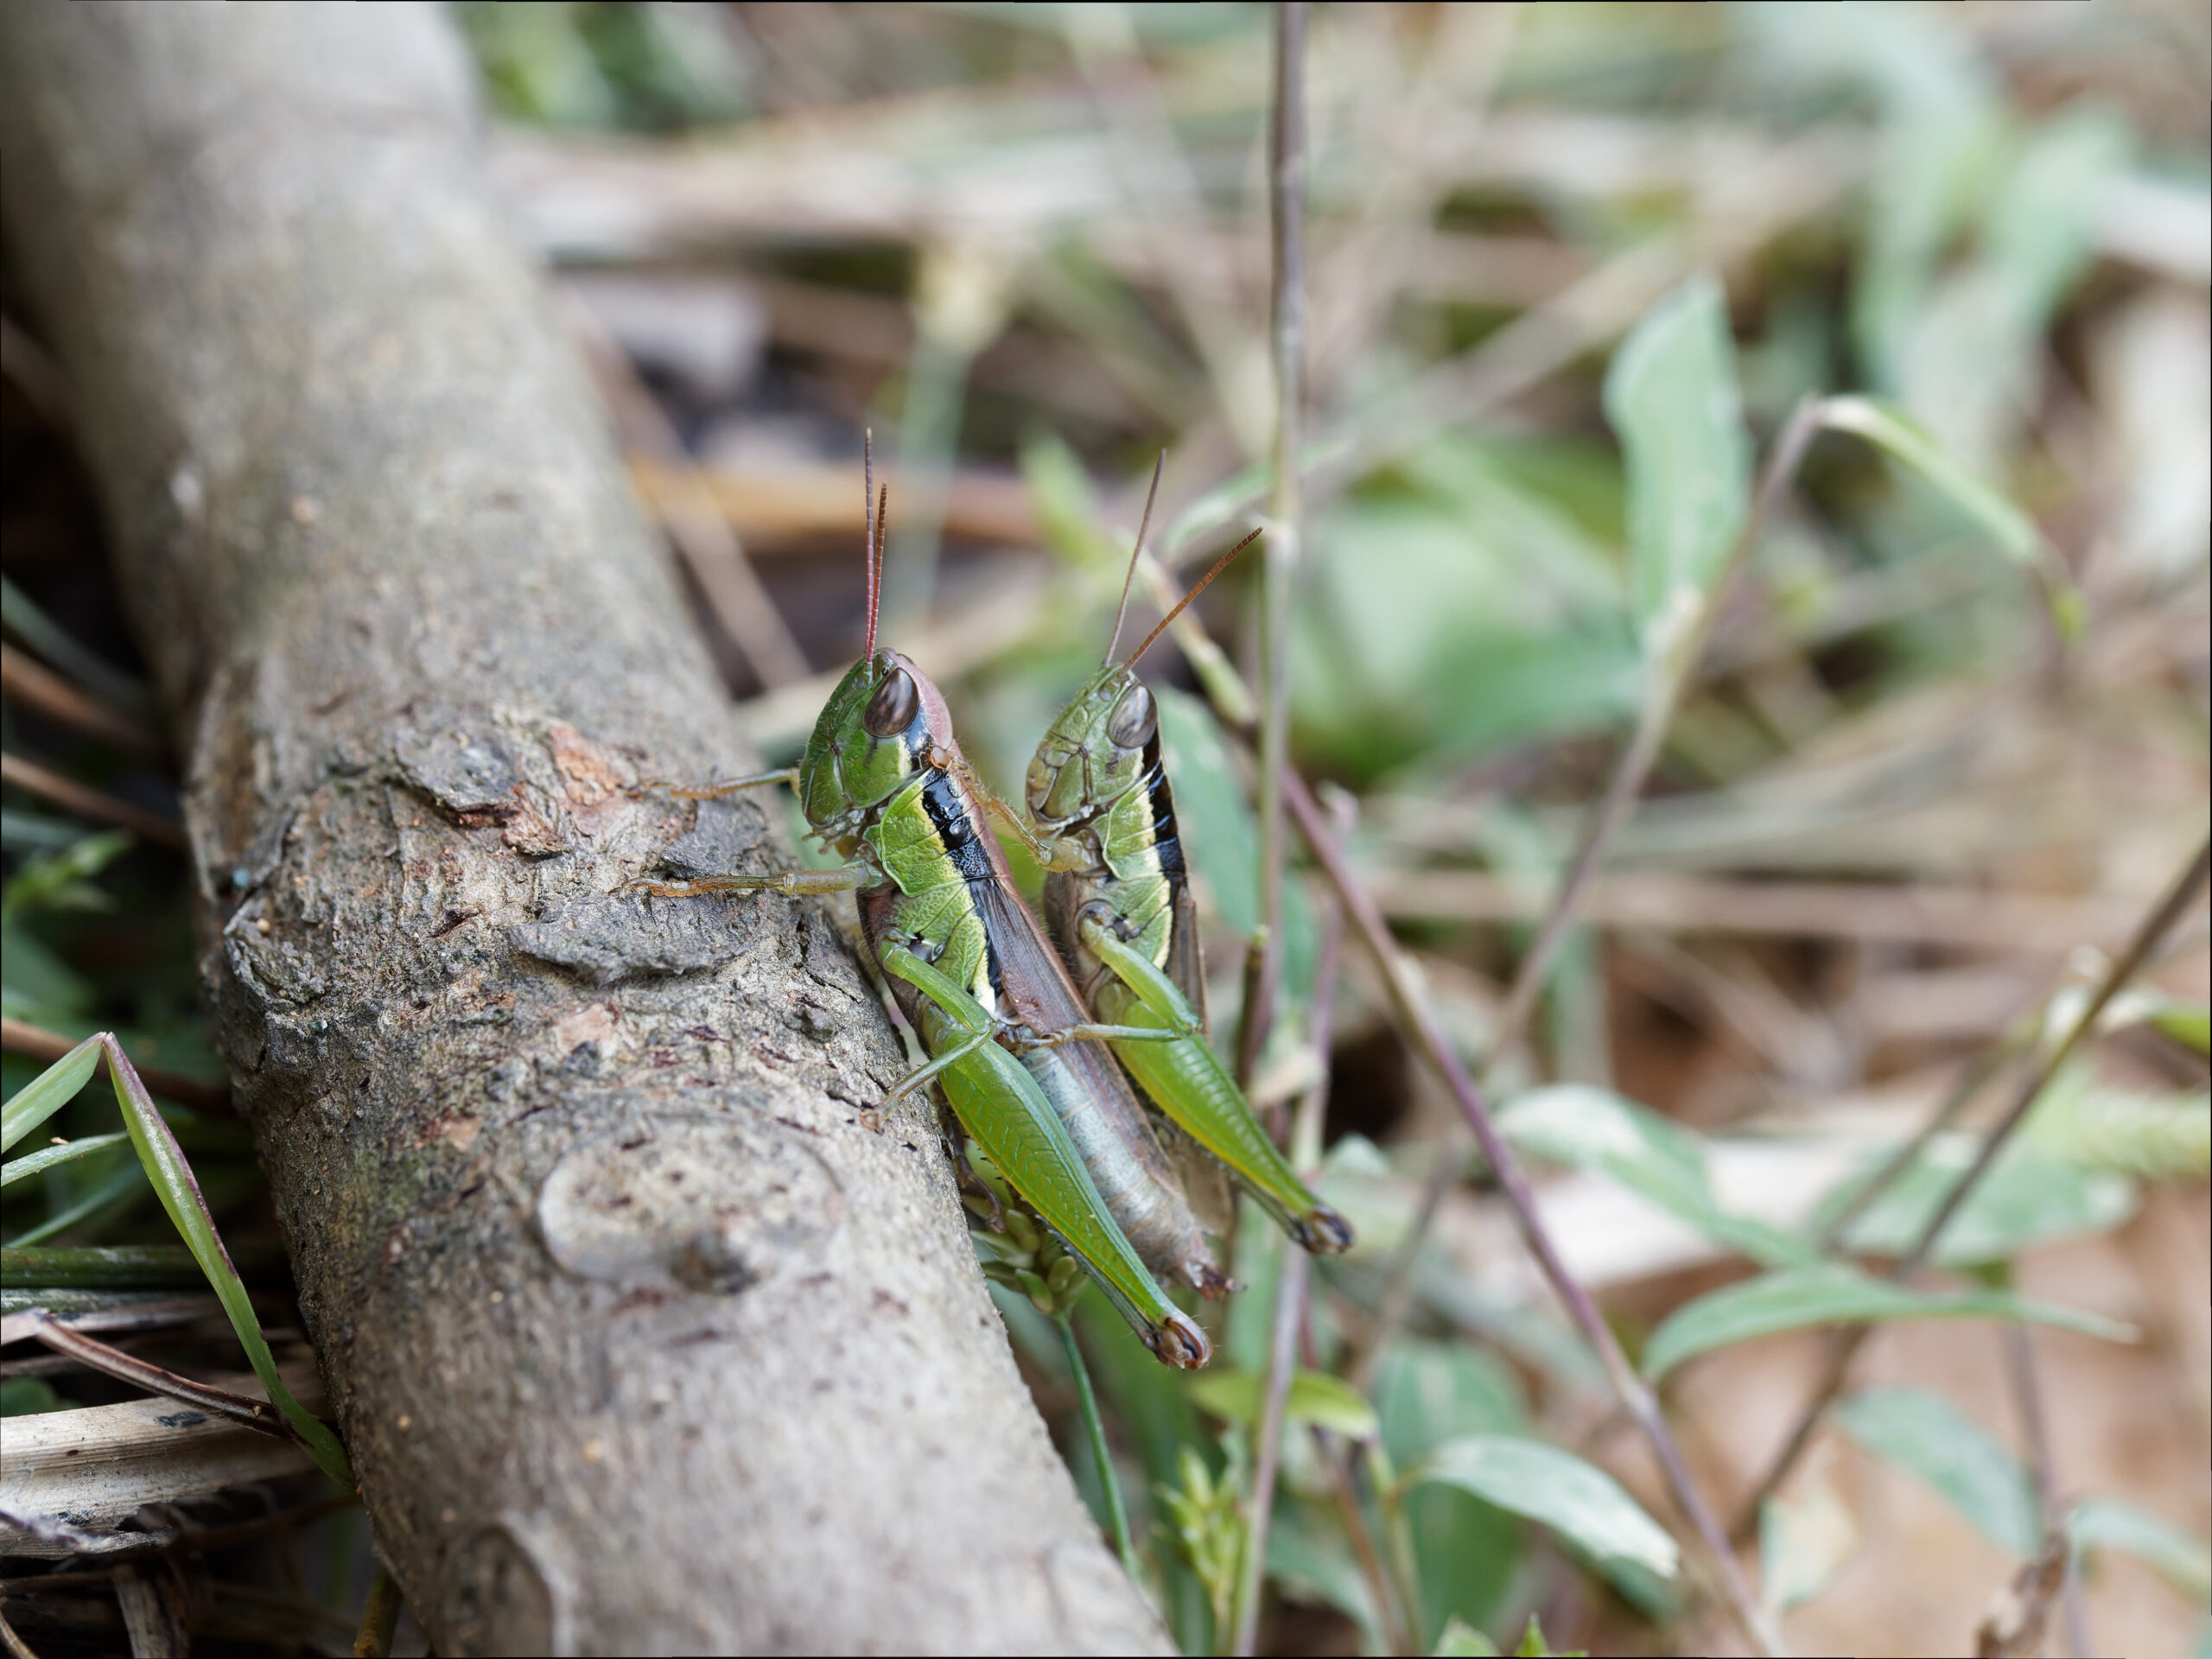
{"x": 48, "y": 1093}
{"x": 1926, "y": 1435}
{"x": 37, "y": 1162}
{"x": 1583, "y": 1504}
{"x": 2182, "y": 1558}
{"x": 1795, "y": 1298}
{"x": 1589, "y": 1127}
{"x": 1892, "y": 430}
{"x": 1670, "y": 394}
{"x": 1314, "y": 1397}
{"x": 1465, "y": 1551}
{"x": 167, "y": 1168}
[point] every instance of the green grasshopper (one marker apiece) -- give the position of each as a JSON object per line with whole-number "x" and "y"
{"x": 883, "y": 784}
{"x": 1117, "y": 901}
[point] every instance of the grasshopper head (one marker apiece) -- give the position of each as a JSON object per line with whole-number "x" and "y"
{"x": 884, "y": 723}
{"x": 1096, "y": 750}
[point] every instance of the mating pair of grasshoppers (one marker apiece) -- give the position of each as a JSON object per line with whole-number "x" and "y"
{"x": 1028, "y": 1038}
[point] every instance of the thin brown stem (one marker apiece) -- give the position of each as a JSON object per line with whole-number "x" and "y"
{"x": 23, "y": 677}
{"x": 1626, "y": 784}
{"x": 73, "y": 796}
{"x": 1977, "y": 1076}
{"x": 98, "y": 1355}
{"x": 1419, "y": 1023}
{"x": 1613, "y": 810}
{"x": 1380, "y": 1584}
{"x": 2172, "y": 906}
{"x": 1282, "y": 1365}
{"x": 1286, "y": 206}
{"x": 1291, "y": 1301}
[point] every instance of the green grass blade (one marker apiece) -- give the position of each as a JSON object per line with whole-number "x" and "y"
{"x": 1528, "y": 1477}
{"x": 48, "y": 1093}
{"x": 37, "y": 1163}
{"x": 130, "y": 1181}
{"x": 129, "y": 1268}
{"x": 179, "y": 1191}
{"x": 1795, "y": 1298}
{"x": 1889, "y": 430}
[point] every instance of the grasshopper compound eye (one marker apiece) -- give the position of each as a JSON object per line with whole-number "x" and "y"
{"x": 1134, "y": 718}
{"x": 891, "y": 709}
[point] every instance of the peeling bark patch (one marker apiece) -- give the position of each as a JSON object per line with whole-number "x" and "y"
{"x": 471, "y": 775}
{"x": 586, "y": 777}
{"x": 709, "y": 1206}
{"x": 603, "y": 939}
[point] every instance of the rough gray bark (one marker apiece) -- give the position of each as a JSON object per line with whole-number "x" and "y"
{"x": 641, "y": 1340}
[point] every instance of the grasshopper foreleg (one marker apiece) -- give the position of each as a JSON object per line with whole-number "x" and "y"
{"x": 715, "y": 792}
{"x": 1051, "y": 852}
{"x": 791, "y": 882}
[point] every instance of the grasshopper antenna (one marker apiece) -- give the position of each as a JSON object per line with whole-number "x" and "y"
{"x": 1121, "y": 611}
{"x": 873, "y": 520}
{"x": 1219, "y": 565}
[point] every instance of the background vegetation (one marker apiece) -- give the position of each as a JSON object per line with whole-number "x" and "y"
{"x": 1926, "y": 745}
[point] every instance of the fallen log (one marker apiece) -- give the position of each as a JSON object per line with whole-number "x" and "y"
{"x": 641, "y": 1336}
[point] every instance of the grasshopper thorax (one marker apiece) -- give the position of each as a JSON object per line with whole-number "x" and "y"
{"x": 885, "y": 725}
{"x": 1095, "y": 752}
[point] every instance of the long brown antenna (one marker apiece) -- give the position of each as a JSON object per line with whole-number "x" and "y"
{"x": 1135, "y": 553}
{"x": 1219, "y": 565}
{"x": 873, "y": 521}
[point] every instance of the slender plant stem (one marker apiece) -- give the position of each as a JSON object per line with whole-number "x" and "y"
{"x": 1282, "y": 1365}
{"x": 1117, "y": 1514}
{"x": 1987, "y": 1065}
{"x": 380, "y": 1617}
{"x": 1290, "y": 1310}
{"x": 1287, "y": 204}
{"x": 1419, "y": 1023}
{"x": 1381, "y": 1583}
{"x": 2170, "y": 909}
{"x": 2043, "y": 1469}
{"x": 1613, "y": 810}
